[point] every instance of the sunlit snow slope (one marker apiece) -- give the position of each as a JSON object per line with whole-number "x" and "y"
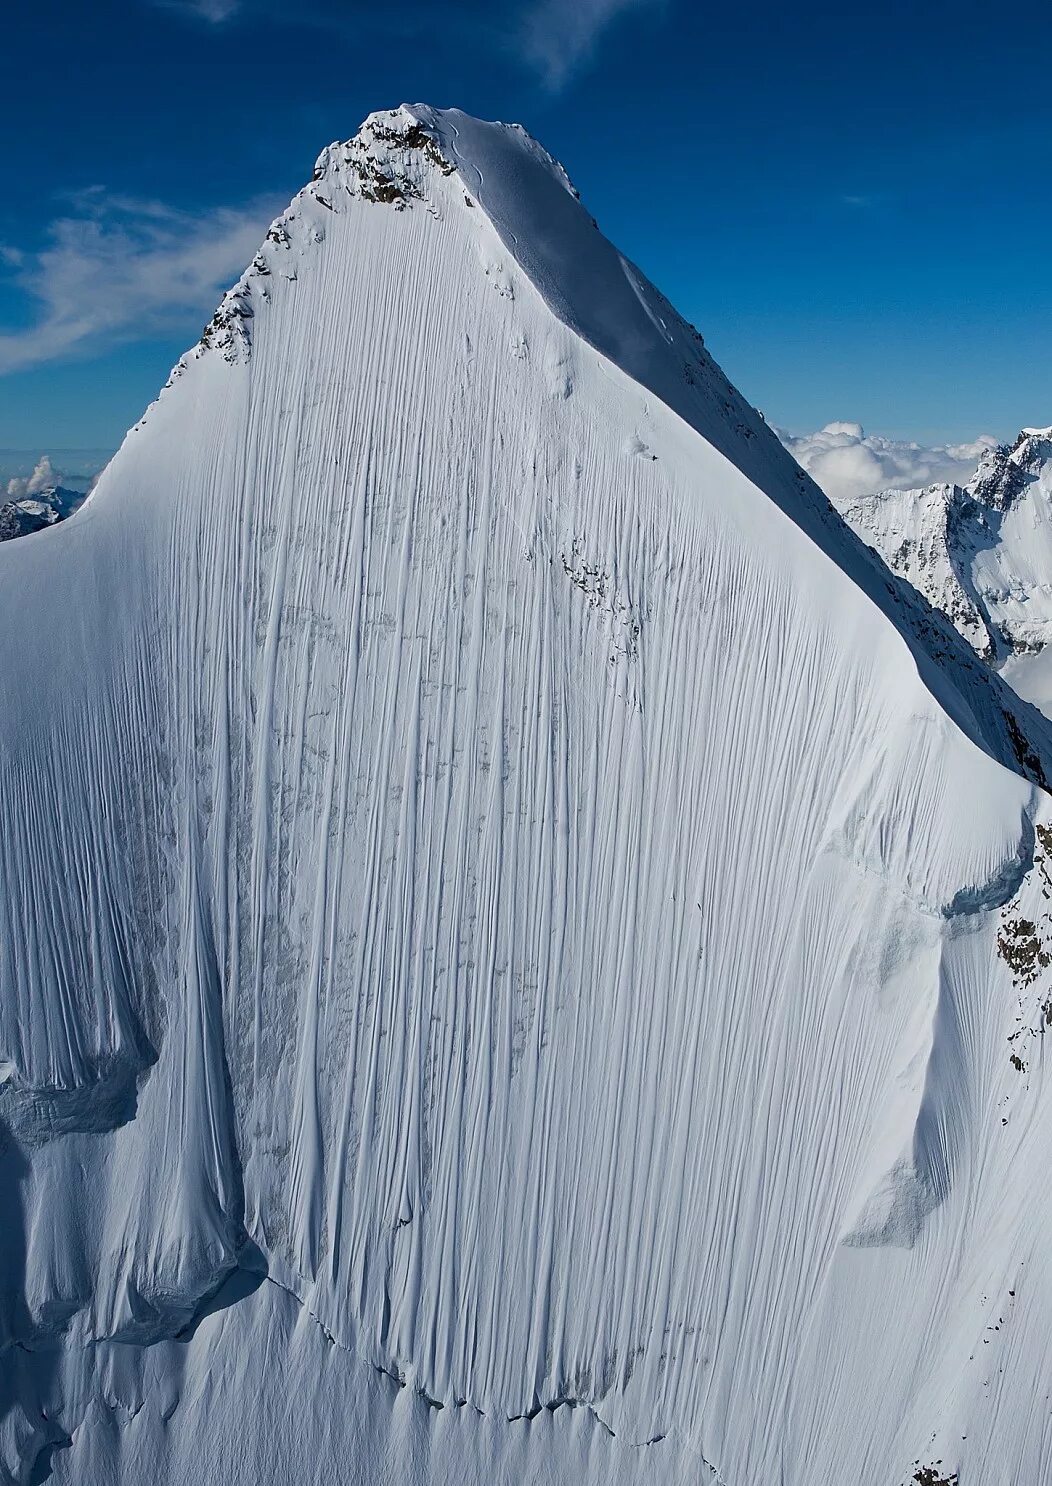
{"x": 512, "y": 921}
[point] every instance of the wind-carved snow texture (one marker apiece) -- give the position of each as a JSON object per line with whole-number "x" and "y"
{"x": 982, "y": 554}
{"x": 503, "y": 906}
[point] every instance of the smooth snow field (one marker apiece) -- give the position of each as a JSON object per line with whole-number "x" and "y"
{"x": 514, "y": 925}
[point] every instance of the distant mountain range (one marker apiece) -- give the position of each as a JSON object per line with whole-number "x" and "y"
{"x": 43, "y": 495}
{"x": 29, "y": 513}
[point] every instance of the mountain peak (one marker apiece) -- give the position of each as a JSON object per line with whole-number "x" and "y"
{"x": 1032, "y": 450}
{"x": 383, "y": 162}
{"x": 980, "y": 552}
{"x": 483, "y": 843}
{"x": 387, "y": 160}
{"x": 526, "y": 216}
{"x": 1004, "y": 471}
{"x": 439, "y": 184}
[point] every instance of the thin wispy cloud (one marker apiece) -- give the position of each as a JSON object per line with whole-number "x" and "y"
{"x": 559, "y": 36}
{"x": 867, "y": 203}
{"x": 117, "y": 269}
{"x": 847, "y": 462}
{"x": 214, "y": 11}
{"x": 553, "y": 38}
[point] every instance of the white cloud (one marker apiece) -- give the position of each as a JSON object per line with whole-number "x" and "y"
{"x": 45, "y": 476}
{"x": 42, "y": 478}
{"x": 120, "y": 269}
{"x": 559, "y": 35}
{"x": 847, "y": 462}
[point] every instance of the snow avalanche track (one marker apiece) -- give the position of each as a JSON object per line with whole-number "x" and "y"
{"x": 485, "y": 848}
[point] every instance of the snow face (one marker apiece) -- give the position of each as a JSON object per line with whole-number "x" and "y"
{"x": 981, "y": 553}
{"x": 512, "y": 920}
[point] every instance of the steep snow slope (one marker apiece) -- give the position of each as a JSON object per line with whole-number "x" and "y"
{"x": 511, "y": 921}
{"x": 981, "y": 553}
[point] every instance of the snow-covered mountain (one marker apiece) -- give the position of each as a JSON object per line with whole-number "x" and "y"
{"x": 39, "y": 500}
{"x": 29, "y": 513}
{"x": 982, "y": 553}
{"x": 523, "y": 948}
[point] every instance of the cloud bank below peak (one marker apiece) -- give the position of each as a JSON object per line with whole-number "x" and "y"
{"x": 847, "y": 463}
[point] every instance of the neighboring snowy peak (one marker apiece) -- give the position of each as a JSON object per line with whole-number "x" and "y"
{"x": 1005, "y": 472}
{"x": 998, "y": 478}
{"x": 38, "y": 500}
{"x": 523, "y": 947}
{"x": 927, "y": 537}
{"x": 30, "y": 513}
{"x": 982, "y": 552}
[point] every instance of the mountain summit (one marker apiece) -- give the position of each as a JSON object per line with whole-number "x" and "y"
{"x": 524, "y": 948}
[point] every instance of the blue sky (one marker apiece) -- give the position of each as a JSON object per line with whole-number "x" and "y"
{"x": 852, "y": 206}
